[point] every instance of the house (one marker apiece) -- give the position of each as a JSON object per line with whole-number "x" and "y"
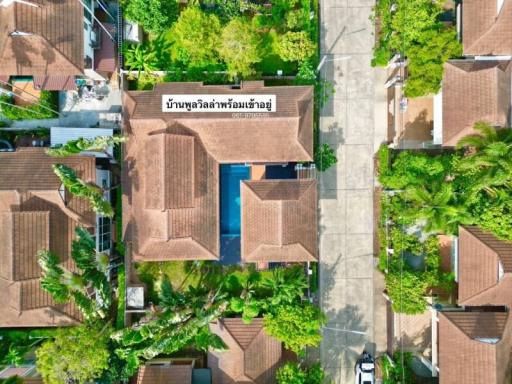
{"x": 473, "y": 91}
{"x": 475, "y": 340}
{"x": 252, "y": 356}
{"x": 52, "y": 42}
{"x": 36, "y": 213}
{"x": 183, "y": 194}
{"x": 487, "y": 27}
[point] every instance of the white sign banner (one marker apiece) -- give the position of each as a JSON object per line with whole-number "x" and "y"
{"x": 218, "y": 103}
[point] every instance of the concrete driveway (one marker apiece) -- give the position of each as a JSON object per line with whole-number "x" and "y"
{"x": 354, "y": 123}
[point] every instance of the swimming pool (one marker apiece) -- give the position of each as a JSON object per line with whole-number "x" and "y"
{"x": 230, "y": 177}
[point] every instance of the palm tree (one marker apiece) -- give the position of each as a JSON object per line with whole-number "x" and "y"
{"x": 180, "y": 320}
{"x": 81, "y": 188}
{"x": 286, "y": 285}
{"x": 488, "y": 161}
{"x": 73, "y": 147}
{"x": 65, "y": 285}
{"x": 437, "y": 206}
{"x": 141, "y": 58}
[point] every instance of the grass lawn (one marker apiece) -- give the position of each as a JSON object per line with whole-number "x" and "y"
{"x": 272, "y": 63}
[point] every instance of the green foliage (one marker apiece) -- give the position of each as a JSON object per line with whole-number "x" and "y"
{"x": 240, "y": 48}
{"x": 306, "y": 74}
{"x": 494, "y": 215}
{"x": 295, "y": 46}
{"x": 294, "y": 373}
{"x": 325, "y": 157}
{"x": 79, "y": 354}
{"x": 48, "y": 99}
{"x": 154, "y": 15}
{"x": 297, "y": 326}
{"x": 81, "y": 188}
{"x": 121, "y": 297}
{"x": 393, "y": 373}
{"x": 73, "y": 147}
{"x": 414, "y": 29}
{"x": 426, "y": 61}
{"x": 64, "y": 285}
{"x": 140, "y": 58}
{"x": 196, "y": 37}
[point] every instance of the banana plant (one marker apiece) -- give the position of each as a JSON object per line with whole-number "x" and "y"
{"x": 74, "y": 147}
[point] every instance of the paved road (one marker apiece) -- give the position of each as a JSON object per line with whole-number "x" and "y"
{"x": 348, "y": 123}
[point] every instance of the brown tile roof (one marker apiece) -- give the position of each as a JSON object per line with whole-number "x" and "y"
{"x": 33, "y": 216}
{"x": 480, "y": 255}
{"x": 55, "y": 83}
{"x": 284, "y": 135}
{"x": 165, "y": 374}
{"x": 252, "y": 357}
{"x": 474, "y": 91}
{"x": 105, "y": 56}
{"x": 464, "y": 357}
{"x": 279, "y": 220}
{"x": 171, "y": 181}
{"x": 484, "y": 31}
{"x": 55, "y": 44}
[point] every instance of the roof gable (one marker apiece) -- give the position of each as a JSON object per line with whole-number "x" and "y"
{"x": 54, "y": 44}
{"x": 279, "y": 220}
{"x": 485, "y": 31}
{"x": 474, "y": 91}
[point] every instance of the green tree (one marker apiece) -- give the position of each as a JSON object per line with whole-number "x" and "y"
{"x": 73, "y": 147}
{"x": 438, "y": 206}
{"x": 65, "y": 285}
{"x": 426, "y": 61}
{"x": 489, "y": 160}
{"x": 196, "y": 37}
{"x": 325, "y": 157}
{"x": 240, "y": 48}
{"x": 297, "y": 326}
{"x": 295, "y": 46}
{"x": 140, "y": 58}
{"x": 81, "y": 188}
{"x": 294, "y": 373}
{"x": 181, "y": 320}
{"x": 154, "y": 15}
{"x": 407, "y": 290}
{"x": 74, "y": 355}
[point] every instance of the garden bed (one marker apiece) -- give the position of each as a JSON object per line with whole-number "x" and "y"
{"x": 48, "y": 99}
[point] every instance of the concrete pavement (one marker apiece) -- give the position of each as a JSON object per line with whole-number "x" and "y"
{"x": 354, "y": 123}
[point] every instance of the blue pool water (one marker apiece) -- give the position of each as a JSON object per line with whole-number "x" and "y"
{"x": 230, "y": 212}
{"x": 230, "y": 177}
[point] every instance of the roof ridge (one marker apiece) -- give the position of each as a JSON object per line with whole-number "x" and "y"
{"x": 455, "y": 324}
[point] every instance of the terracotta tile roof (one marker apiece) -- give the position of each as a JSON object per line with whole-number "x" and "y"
{"x": 105, "y": 56}
{"x": 480, "y": 256}
{"x": 171, "y": 181}
{"x": 465, "y": 356}
{"x": 279, "y": 220}
{"x": 284, "y": 135}
{"x": 55, "y": 83}
{"x": 474, "y": 91}
{"x": 33, "y": 216}
{"x": 252, "y": 357}
{"x": 55, "y": 44}
{"x": 165, "y": 374}
{"x": 484, "y": 30}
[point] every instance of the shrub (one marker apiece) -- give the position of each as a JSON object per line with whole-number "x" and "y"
{"x": 325, "y": 158}
{"x": 155, "y": 16}
{"x": 297, "y": 326}
{"x": 47, "y": 99}
{"x": 295, "y": 46}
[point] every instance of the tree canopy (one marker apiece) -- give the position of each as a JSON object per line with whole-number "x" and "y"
{"x": 74, "y": 355}
{"x": 240, "y": 48}
{"x": 295, "y": 46}
{"x": 154, "y": 15}
{"x": 196, "y": 37}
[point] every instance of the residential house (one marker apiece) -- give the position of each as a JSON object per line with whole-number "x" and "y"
{"x": 475, "y": 340}
{"x": 52, "y": 43}
{"x": 487, "y": 28}
{"x": 183, "y": 194}
{"x": 36, "y": 212}
{"x": 473, "y": 91}
{"x": 252, "y": 356}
